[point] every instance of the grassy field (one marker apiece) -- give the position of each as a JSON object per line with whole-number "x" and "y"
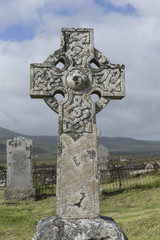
{"x": 18, "y": 220}
{"x": 137, "y": 211}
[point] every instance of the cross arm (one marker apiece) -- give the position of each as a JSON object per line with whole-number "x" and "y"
{"x": 46, "y": 78}
{"x": 108, "y": 80}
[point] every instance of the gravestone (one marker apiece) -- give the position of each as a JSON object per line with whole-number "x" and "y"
{"x": 19, "y": 169}
{"x": 103, "y": 152}
{"x": 104, "y": 173}
{"x": 83, "y": 71}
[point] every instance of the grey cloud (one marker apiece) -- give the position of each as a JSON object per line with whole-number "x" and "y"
{"x": 131, "y": 40}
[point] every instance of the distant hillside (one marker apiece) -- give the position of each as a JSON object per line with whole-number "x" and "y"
{"x": 7, "y": 134}
{"x": 126, "y": 145}
{"x": 45, "y": 147}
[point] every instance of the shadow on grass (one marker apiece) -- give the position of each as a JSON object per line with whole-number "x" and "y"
{"x": 104, "y": 193}
{"x": 155, "y": 184}
{"x": 44, "y": 196}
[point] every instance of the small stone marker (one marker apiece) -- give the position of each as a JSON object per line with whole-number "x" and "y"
{"x": 103, "y": 152}
{"x": 103, "y": 155}
{"x": 85, "y": 72}
{"x": 19, "y": 169}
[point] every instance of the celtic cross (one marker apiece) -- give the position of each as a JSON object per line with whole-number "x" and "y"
{"x": 77, "y": 188}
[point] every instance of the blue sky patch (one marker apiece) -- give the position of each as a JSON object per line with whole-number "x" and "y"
{"x": 127, "y": 9}
{"x": 18, "y": 32}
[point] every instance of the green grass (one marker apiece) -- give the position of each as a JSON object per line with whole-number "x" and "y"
{"x": 18, "y": 220}
{"x": 137, "y": 211}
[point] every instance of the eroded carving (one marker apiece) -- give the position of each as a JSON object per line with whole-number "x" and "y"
{"x": 75, "y": 37}
{"x": 77, "y": 80}
{"x": 109, "y": 80}
{"x": 77, "y": 53}
{"x": 77, "y": 115}
{"x": 46, "y": 79}
{"x": 19, "y": 162}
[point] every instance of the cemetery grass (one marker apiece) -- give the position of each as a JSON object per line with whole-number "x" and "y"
{"x": 137, "y": 211}
{"x": 18, "y": 219}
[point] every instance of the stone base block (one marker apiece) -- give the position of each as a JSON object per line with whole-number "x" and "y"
{"x": 102, "y": 228}
{"x": 19, "y": 193}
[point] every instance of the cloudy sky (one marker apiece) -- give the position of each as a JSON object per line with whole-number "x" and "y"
{"x": 125, "y": 31}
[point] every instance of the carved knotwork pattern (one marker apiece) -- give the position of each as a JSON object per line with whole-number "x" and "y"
{"x": 109, "y": 80}
{"x": 76, "y": 37}
{"x": 46, "y": 79}
{"x": 77, "y": 47}
{"x": 77, "y": 116}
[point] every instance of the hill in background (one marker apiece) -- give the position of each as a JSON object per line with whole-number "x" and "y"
{"x": 45, "y": 147}
{"x": 120, "y": 145}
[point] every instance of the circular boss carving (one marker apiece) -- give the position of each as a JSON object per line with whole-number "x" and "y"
{"x": 77, "y": 80}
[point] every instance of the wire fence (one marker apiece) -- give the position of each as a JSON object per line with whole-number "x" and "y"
{"x": 116, "y": 172}
{"x": 44, "y": 180}
{"x": 3, "y": 174}
{"x": 128, "y": 171}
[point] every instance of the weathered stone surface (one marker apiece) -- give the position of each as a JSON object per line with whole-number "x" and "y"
{"x": 102, "y": 228}
{"x": 77, "y": 174}
{"x": 103, "y": 152}
{"x": 19, "y": 193}
{"x": 19, "y": 169}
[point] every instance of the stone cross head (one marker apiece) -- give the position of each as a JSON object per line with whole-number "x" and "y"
{"x": 77, "y": 76}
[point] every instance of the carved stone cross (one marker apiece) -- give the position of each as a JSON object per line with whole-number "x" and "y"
{"x": 77, "y": 178}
